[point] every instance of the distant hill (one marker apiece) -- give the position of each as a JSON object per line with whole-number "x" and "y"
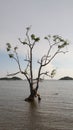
{"x": 66, "y": 78}
{"x": 13, "y": 78}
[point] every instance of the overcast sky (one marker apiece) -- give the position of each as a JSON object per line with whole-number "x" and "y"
{"x": 46, "y": 17}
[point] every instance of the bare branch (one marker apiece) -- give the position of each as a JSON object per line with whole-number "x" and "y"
{"x": 45, "y": 73}
{"x": 33, "y": 44}
{"x": 63, "y": 52}
{"x": 38, "y": 62}
{"x": 50, "y": 59}
{"x": 17, "y": 60}
{"x": 26, "y": 69}
{"x": 28, "y": 37}
{"x": 26, "y": 60}
{"x": 12, "y": 74}
{"x": 26, "y": 76}
{"x": 24, "y": 43}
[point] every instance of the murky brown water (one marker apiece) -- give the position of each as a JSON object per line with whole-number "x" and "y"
{"x": 54, "y": 112}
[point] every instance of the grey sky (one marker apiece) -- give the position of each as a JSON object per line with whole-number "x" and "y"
{"x": 48, "y": 15}
{"x": 45, "y": 16}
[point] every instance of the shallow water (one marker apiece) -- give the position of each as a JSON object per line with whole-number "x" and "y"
{"x": 54, "y": 112}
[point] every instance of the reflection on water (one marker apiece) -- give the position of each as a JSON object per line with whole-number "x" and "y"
{"x": 33, "y": 118}
{"x": 53, "y": 112}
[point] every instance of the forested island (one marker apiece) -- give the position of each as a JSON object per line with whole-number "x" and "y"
{"x": 17, "y": 78}
{"x": 66, "y": 78}
{"x": 12, "y": 78}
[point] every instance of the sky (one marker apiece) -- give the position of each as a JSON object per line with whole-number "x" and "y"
{"x": 53, "y": 17}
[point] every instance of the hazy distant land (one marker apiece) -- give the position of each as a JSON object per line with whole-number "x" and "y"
{"x": 66, "y": 78}
{"x": 17, "y": 78}
{"x": 13, "y": 78}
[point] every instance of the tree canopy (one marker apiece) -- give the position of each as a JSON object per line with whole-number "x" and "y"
{"x": 56, "y": 45}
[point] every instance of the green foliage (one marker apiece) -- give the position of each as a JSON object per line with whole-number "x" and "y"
{"x": 33, "y": 37}
{"x": 8, "y": 46}
{"x": 53, "y": 73}
{"x": 24, "y": 43}
{"x": 36, "y": 39}
{"x": 15, "y": 48}
{"x": 63, "y": 45}
{"x": 46, "y": 38}
{"x": 59, "y": 40}
{"x": 11, "y": 55}
{"x": 28, "y": 28}
{"x": 8, "y": 49}
{"x": 55, "y": 37}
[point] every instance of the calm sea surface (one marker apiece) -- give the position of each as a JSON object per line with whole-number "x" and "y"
{"x": 54, "y": 112}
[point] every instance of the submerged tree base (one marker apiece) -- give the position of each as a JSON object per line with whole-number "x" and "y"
{"x": 29, "y": 99}
{"x": 32, "y": 97}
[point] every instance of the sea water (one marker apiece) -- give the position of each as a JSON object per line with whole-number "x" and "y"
{"x": 53, "y": 112}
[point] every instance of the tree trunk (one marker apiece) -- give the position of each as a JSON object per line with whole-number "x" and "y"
{"x": 33, "y": 95}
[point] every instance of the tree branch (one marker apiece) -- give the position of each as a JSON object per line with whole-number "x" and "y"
{"x": 17, "y": 60}
{"x": 28, "y": 37}
{"x": 12, "y": 74}
{"x": 45, "y": 73}
{"x": 63, "y": 52}
{"x": 26, "y": 76}
{"x": 24, "y": 43}
{"x": 50, "y": 59}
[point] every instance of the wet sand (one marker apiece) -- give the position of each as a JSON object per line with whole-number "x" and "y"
{"x": 54, "y": 112}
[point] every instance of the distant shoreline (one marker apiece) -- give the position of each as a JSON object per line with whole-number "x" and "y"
{"x": 66, "y": 78}
{"x": 13, "y": 78}
{"x": 17, "y": 78}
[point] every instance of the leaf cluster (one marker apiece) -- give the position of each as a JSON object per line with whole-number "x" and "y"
{"x": 59, "y": 39}
{"x": 33, "y": 37}
{"x": 63, "y": 45}
{"x": 9, "y": 49}
{"x": 8, "y": 46}
{"x": 53, "y": 73}
{"x": 11, "y": 55}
